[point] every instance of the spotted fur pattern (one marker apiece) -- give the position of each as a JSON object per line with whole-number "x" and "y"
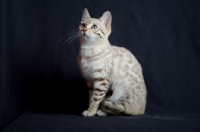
{"x": 114, "y": 76}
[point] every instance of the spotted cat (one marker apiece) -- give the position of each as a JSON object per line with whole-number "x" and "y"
{"x": 114, "y": 76}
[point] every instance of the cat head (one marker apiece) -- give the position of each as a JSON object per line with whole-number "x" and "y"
{"x": 94, "y": 30}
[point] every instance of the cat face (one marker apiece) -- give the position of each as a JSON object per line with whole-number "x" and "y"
{"x": 94, "y": 30}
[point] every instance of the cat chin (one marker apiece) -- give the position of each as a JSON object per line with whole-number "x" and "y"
{"x": 87, "y": 39}
{"x": 84, "y": 38}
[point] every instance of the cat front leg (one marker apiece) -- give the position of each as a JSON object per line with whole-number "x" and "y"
{"x": 90, "y": 88}
{"x": 100, "y": 88}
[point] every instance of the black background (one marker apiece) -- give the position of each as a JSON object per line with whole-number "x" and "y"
{"x": 38, "y": 71}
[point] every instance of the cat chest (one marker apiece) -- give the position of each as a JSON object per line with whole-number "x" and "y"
{"x": 94, "y": 68}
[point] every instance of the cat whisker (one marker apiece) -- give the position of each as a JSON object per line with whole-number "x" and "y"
{"x": 75, "y": 37}
{"x": 68, "y": 39}
{"x": 72, "y": 33}
{"x": 71, "y": 38}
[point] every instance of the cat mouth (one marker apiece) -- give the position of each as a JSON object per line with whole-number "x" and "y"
{"x": 84, "y": 35}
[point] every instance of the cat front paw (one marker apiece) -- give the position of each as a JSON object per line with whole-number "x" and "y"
{"x": 89, "y": 113}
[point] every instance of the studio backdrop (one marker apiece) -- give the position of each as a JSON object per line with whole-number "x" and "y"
{"x": 38, "y": 69}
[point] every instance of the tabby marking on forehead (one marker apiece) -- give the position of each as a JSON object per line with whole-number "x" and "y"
{"x": 113, "y": 74}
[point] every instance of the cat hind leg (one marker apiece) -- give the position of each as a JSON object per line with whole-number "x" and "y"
{"x": 114, "y": 108}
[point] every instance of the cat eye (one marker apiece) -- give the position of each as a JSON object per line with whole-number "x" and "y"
{"x": 94, "y": 26}
{"x": 83, "y": 25}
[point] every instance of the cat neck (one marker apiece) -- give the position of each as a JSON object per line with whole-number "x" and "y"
{"x": 94, "y": 50}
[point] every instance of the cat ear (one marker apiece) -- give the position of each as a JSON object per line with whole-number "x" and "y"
{"x": 106, "y": 19}
{"x": 85, "y": 15}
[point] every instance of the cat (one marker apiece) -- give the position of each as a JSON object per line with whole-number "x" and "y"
{"x": 114, "y": 76}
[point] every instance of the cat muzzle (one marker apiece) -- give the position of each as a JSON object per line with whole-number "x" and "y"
{"x": 84, "y": 32}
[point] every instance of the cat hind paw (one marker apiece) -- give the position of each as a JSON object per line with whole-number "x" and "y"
{"x": 101, "y": 113}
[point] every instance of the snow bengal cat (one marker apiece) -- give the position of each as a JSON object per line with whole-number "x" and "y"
{"x": 114, "y": 76}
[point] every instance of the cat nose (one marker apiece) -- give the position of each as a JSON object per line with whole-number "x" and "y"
{"x": 84, "y": 30}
